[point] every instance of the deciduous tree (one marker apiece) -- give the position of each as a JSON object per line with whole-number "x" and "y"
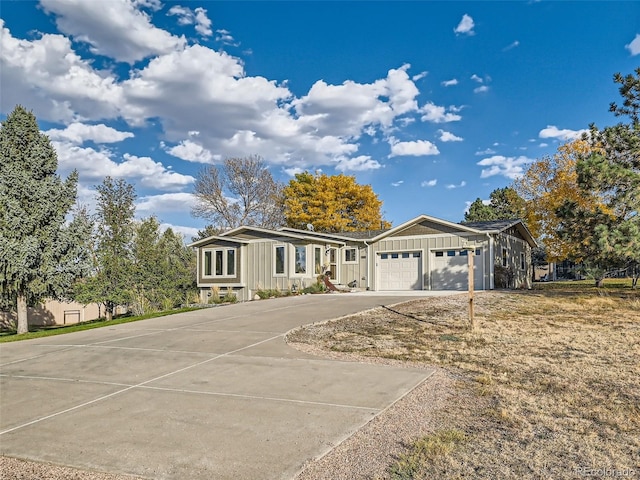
{"x": 112, "y": 253}
{"x": 609, "y": 235}
{"x": 240, "y": 192}
{"x": 332, "y": 204}
{"x": 39, "y": 253}
{"x": 546, "y": 185}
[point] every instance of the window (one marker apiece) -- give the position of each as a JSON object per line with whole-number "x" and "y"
{"x": 350, "y": 255}
{"x": 219, "y": 262}
{"x": 207, "y": 263}
{"x": 464, "y": 253}
{"x": 405, "y": 255}
{"x": 231, "y": 262}
{"x": 416, "y": 254}
{"x": 384, "y": 256}
{"x": 478, "y": 252}
{"x": 301, "y": 259}
{"x": 394, "y": 255}
{"x": 439, "y": 254}
{"x": 451, "y": 253}
{"x": 523, "y": 263}
{"x": 504, "y": 257}
{"x": 279, "y": 259}
{"x": 317, "y": 260}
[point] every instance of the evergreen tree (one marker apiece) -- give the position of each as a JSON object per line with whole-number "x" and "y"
{"x": 609, "y": 236}
{"x": 504, "y": 204}
{"x": 40, "y": 256}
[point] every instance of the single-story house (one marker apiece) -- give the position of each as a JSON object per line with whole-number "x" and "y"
{"x": 425, "y": 253}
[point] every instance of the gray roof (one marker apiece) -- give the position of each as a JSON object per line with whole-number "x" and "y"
{"x": 491, "y": 225}
{"x": 365, "y": 235}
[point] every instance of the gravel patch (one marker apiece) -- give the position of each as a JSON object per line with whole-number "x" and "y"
{"x": 16, "y": 469}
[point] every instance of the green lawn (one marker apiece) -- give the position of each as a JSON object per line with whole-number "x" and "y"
{"x": 38, "y": 332}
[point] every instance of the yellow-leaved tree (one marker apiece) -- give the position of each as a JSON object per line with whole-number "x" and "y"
{"x": 332, "y": 204}
{"x": 545, "y": 186}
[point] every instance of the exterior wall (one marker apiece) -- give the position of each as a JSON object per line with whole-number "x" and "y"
{"x": 425, "y": 245}
{"x": 357, "y": 271}
{"x": 53, "y": 312}
{"x": 514, "y": 247}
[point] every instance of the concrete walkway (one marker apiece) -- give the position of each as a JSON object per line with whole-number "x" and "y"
{"x": 210, "y": 394}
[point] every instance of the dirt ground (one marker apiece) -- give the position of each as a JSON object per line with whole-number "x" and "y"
{"x": 547, "y": 387}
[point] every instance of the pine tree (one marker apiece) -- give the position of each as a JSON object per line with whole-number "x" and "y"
{"x": 609, "y": 236}
{"x": 38, "y": 256}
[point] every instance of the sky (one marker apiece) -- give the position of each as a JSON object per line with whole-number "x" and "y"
{"x": 433, "y": 104}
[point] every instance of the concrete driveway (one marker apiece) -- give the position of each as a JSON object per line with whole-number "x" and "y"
{"x": 209, "y": 394}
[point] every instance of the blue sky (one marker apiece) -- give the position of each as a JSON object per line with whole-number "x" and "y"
{"x": 432, "y": 103}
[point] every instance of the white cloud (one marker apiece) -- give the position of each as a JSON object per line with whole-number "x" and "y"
{"x": 197, "y": 89}
{"x": 452, "y": 186}
{"x": 225, "y": 37}
{"x": 293, "y": 171}
{"x": 634, "y": 46}
{"x": 511, "y": 46}
{"x": 476, "y": 78}
{"x": 448, "y": 137}
{"x": 419, "y": 76}
{"x": 562, "y": 134}
{"x": 450, "y": 83}
{"x": 429, "y": 183}
{"x": 117, "y": 29}
{"x": 510, "y": 167}
{"x": 192, "y": 152}
{"x": 486, "y": 151}
{"x": 186, "y": 16}
{"x": 166, "y": 202}
{"x": 94, "y": 165}
{"x": 416, "y": 148}
{"x": 437, "y": 114}
{"x": 481, "y": 89}
{"x": 53, "y": 80}
{"x": 79, "y": 133}
{"x": 357, "y": 164}
{"x": 542, "y": 145}
{"x": 397, "y": 184}
{"x": 465, "y": 26}
{"x": 187, "y": 232}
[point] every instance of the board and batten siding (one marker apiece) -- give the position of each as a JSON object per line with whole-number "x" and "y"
{"x": 428, "y": 244}
{"x": 354, "y": 271}
{"x": 261, "y": 269}
{"x": 515, "y": 246}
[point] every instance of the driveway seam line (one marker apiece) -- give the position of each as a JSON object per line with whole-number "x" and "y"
{"x": 104, "y": 397}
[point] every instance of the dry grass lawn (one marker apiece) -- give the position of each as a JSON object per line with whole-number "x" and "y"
{"x": 554, "y": 378}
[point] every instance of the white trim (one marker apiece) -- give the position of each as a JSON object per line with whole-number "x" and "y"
{"x": 350, "y": 262}
{"x": 221, "y": 285}
{"x": 292, "y": 270}
{"x": 274, "y": 247}
{"x": 225, "y": 267}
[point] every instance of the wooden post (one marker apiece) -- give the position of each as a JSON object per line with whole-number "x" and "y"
{"x": 472, "y": 323}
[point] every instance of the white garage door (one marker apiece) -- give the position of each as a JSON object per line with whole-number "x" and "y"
{"x": 449, "y": 270}
{"x": 400, "y": 271}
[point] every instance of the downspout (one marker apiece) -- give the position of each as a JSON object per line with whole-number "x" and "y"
{"x": 491, "y": 262}
{"x": 368, "y": 263}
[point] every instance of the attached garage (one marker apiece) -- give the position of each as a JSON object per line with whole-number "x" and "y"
{"x": 450, "y": 271}
{"x": 399, "y": 271}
